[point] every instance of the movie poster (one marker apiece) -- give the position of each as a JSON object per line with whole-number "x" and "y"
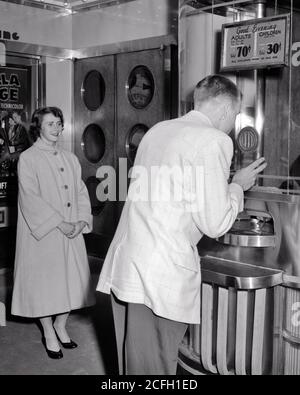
{"x": 14, "y": 110}
{"x": 13, "y": 89}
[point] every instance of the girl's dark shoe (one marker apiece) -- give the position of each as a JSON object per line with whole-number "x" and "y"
{"x": 52, "y": 354}
{"x": 69, "y": 345}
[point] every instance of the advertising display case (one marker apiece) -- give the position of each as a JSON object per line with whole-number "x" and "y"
{"x": 18, "y": 96}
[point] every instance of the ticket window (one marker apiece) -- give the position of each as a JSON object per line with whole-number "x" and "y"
{"x": 269, "y": 121}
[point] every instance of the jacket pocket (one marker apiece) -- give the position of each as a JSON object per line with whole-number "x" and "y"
{"x": 189, "y": 261}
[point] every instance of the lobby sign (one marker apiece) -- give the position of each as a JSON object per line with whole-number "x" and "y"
{"x": 256, "y": 43}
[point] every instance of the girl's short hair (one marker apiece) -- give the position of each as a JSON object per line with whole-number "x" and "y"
{"x": 37, "y": 119}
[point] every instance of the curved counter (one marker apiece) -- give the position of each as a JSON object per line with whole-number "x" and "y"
{"x": 227, "y": 273}
{"x": 250, "y": 321}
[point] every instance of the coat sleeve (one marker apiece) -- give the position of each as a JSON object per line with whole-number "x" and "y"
{"x": 217, "y": 202}
{"x": 39, "y": 215}
{"x": 84, "y": 204}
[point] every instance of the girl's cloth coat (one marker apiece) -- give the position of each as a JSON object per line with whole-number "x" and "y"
{"x": 52, "y": 273}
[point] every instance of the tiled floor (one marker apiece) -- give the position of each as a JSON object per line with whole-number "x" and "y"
{"x": 22, "y": 353}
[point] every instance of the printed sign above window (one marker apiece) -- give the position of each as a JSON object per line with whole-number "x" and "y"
{"x": 256, "y": 43}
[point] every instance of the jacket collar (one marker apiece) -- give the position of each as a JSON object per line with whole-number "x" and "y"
{"x": 44, "y": 146}
{"x": 198, "y": 116}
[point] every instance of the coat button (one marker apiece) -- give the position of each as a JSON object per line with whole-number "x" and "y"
{"x": 62, "y": 169}
{"x": 55, "y": 153}
{"x": 66, "y": 187}
{"x": 69, "y": 204}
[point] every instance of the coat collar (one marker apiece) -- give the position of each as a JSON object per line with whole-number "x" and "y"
{"x": 198, "y": 116}
{"x": 45, "y": 147}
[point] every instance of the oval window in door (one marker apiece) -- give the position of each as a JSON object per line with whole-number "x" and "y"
{"x": 93, "y": 90}
{"x": 140, "y": 87}
{"x": 93, "y": 143}
{"x": 133, "y": 139}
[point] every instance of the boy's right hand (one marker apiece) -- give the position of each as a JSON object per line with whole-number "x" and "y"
{"x": 246, "y": 177}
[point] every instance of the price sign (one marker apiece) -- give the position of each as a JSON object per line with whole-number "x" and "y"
{"x": 256, "y": 43}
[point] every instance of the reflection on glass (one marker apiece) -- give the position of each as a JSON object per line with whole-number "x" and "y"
{"x": 93, "y": 90}
{"x": 14, "y": 139}
{"x": 93, "y": 143}
{"x": 140, "y": 87}
{"x": 133, "y": 140}
{"x": 92, "y": 184}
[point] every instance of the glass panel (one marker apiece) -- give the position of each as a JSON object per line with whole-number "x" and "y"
{"x": 140, "y": 87}
{"x": 93, "y": 143}
{"x": 133, "y": 140}
{"x": 92, "y": 184}
{"x": 93, "y": 90}
{"x": 16, "y": 99}
{"x": 270, "y": 99}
